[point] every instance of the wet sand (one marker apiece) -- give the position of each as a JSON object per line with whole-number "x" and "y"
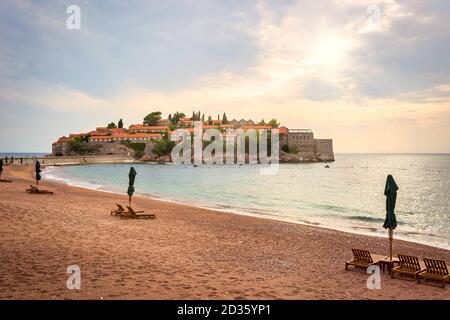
{"x": 186, "y": 253}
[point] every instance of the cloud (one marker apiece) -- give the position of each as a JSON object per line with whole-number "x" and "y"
{"x": 321, "y": 65}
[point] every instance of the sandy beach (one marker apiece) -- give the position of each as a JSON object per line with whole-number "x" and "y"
{"x": 186, "y": 253}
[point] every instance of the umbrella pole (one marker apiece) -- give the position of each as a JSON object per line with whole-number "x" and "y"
{"x": 391, "y": 236}
{"x": 129, "y": 201}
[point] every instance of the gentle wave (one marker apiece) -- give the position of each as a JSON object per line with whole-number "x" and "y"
{"x": 347, "y": 199}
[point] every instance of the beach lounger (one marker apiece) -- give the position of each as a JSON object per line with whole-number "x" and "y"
{"x": 363, "y": 259}
{"x": 435, "y": 270}
{"x": 131, "y": 214}
{"x": 34, "y": 190}
{"x": 5, "y": 181}
{"x": 408, "y": 265}
{"x": 119, "y": 211}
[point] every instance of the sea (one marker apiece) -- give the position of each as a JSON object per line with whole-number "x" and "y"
{"x": 18, "y": 155}
{"x": 348, "y": 195}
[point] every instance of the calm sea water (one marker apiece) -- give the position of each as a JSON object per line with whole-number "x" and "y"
{"x": 347, "y": 196}
{"x": 22, "y": 154}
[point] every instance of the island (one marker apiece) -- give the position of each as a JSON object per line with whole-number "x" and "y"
{"x": 153, "y": 139}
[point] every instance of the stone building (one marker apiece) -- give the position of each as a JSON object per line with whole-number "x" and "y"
{"x": 308, "y": 147}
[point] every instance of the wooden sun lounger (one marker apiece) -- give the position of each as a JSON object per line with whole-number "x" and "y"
{"x": 363, "y": 259}
{"x": 5, "y": 181}
{"x": 119, "y": 211}
{"x": 408, "y": 265}
{"x": 435, "y": 270}
{"x": 34, "y": 190}
{"x": 131, "y": 214}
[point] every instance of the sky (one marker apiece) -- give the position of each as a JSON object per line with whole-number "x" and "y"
{"x": 372, "y": 75}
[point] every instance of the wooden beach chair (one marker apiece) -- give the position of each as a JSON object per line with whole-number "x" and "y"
{"x": 363, "y": 259}
{"x": 32, "y": 189}
{"x": 35, "y": 190}
{"x": 131, "y": 214}
{"x": 435, "y": 270}
{"x": 408, "y": 265}
{"x": 120, "y": 210}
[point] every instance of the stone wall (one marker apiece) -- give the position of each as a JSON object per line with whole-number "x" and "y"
{"x": 324, "y": 149}
{"x": 103, "y": 149}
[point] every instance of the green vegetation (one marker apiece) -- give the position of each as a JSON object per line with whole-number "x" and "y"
{"x": 78, "y": 146}
{"x": 224, "y": 118}
{"x": 120, "y": 124}
{"x": 111, "y": 125}
{"x": 163, "y": 147}
{"x": 290, "y": 150}
{"x": 195, "y": 116}
{"x": 152, "y": 118}
{"x": 138, "y": 149}
{"x": 177, "y": 116}
{"x": 274, "y": 123}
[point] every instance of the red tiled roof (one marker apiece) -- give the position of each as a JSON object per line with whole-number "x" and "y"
{"x": 142, "y": 127}
{"x": 63, "y": 139}
{"x": 73, "y": 135}
{"x": 256, "y": 127}
{"x": 128, "y": 135}
{"x": 117, "y": 129}
{"x": 283, "y": 130}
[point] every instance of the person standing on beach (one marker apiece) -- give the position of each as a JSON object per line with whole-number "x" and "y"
{"x": 21, "y": 160}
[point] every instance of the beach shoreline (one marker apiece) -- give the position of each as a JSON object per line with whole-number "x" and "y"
{"x": 186, "y": 253}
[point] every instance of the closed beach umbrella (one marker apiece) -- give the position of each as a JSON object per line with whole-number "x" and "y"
{"x": 390, "y": 191}
{"x": 131, "y": 178}
{"x": 38, "y": 171}
{"x": 1, "y": 168}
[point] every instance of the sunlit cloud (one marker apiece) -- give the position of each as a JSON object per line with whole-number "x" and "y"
{"x": 327, "y": 66}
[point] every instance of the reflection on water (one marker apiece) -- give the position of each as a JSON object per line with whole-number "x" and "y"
{"x": 346, "y": 196}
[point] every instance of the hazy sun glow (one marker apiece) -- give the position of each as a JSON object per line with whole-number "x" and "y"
{"x": 330, "y": 50}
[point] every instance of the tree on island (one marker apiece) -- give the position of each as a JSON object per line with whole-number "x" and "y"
{"x": 224, "y": 118}
{"x": 152, "y": 118}
{"x": 209, "y": 120}
{"x": 262, "y": 123}
{"x": 163, "y": 147}
{"x": 170, "y": 118}
{"x": 111, "y": 125}
{"x": 274, "y": 123}
{"x": 195, "y": 116}
{"x": 203, "y": 118}
{"x": 120, "y": 124}
{"x": 177, "y": 116}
